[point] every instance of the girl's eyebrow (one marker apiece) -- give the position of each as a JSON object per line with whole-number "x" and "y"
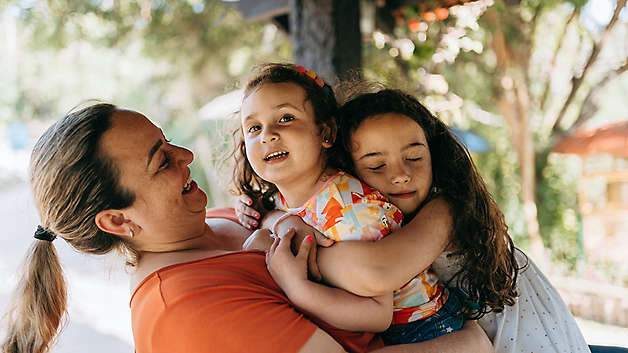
{"x": 371, "y": 154}
{"x": 277, "y": 107}
{"x": 414, "y": 144}
{"x": 376, "y": 154}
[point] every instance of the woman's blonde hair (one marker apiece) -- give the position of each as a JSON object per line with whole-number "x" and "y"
{"x": 72, "y": 180}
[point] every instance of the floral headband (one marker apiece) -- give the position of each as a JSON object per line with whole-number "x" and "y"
{"x": 319, "y": 80}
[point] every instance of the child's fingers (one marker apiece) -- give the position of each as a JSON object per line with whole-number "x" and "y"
{"x": 273, "y": 247}
{"x": 312, "y": 265}
{"x": 323, "y": 240}
{"x": 249, "y": 211}
{"x": 247, "y": 221}
{"x": 286, "y": 239}
{"x": 304, "y": 249}
{"x": 245, "y": 199}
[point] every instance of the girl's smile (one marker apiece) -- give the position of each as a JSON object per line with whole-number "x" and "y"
{"x": 403, "y": 195}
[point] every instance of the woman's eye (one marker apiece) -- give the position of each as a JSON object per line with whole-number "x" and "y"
{"x": 414, "y": 159}
{"x": 376, "y": 168}
{"x": 286, "y": 118}
{"x": 253, "y": 128}
{"x": 165, "y": 162}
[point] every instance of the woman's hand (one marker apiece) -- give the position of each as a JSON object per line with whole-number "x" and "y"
{"x": 247, "y": 215}
{"x": 275, "y": 219}
{"x": 335, "y": 306}
{"x": 287, "y": 270}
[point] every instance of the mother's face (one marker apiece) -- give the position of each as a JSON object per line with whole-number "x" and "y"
{"x": 168, "y": 207}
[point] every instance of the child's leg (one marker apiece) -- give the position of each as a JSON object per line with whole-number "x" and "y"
{"x": 448, "y": 319}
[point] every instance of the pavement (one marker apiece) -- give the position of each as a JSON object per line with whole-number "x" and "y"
{"x": 99, "y": 315}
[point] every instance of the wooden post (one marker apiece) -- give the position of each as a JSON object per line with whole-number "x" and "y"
{"x": 326, "y": 36}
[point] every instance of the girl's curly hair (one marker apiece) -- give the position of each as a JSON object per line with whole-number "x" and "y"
{"x": 489, "y": 268}
{"x": 245, "y": 180}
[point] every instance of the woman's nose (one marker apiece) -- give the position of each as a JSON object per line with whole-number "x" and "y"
{"x": 185, "y": 156}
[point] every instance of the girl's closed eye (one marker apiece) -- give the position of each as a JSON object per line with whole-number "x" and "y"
{"x": 378, "y": 167}
{"x": 415, "y": 159}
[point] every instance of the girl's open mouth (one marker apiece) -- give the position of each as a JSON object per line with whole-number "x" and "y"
{"x": 276, "y": 156}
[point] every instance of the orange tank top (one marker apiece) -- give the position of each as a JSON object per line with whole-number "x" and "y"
{"x": 226, "y": 303}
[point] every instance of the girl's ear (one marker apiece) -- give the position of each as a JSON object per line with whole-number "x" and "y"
{"x": 114, "y": 222}
{"x": 328, "y": 133}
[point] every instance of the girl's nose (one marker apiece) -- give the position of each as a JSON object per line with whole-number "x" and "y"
{"x": 270, "y": 136}
{"x": 400, "y": 175}
{"x": 400, "y": 178}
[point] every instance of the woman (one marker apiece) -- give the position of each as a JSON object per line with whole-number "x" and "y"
{"x": 107, "y": 179}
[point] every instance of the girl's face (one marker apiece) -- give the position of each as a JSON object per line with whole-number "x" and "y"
{"x": 282, "y": 140}
{"x": 390, "y": 153}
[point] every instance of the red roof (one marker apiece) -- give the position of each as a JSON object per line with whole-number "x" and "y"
{"x": 611, "y": 139}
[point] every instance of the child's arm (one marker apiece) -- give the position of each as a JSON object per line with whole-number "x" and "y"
{"x": 374, "y": 268}
{"x": 334, "y": 306}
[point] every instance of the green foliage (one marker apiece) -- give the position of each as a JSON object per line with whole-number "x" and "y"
{"x": 499, "y": 169}
{"x": 557, "y": 203}
{"x": 476, "y": 77}
{"x": 164, "y": 58}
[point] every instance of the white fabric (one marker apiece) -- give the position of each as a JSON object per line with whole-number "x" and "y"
{"x": 539, "y": 322}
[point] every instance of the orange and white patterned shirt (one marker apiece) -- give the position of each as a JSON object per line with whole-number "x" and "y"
{"x": 347, "y": 209}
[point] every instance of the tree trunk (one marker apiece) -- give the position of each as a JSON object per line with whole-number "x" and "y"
{"x": 326, "y": 37}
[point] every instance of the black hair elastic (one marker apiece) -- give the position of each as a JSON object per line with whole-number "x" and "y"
{"x": 43, "y": 234}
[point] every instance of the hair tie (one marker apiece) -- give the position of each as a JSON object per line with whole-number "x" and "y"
{"x": 43, "y": 234}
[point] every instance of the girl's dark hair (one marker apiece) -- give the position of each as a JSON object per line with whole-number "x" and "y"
{"x": 324, "y": 105}
{"x": 489, "y": 268}
{"x": 72, "y": 180}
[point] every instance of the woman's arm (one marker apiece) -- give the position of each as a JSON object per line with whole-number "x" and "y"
{"x": 471, "y": 339}
{"x": 335, "y": 306}
{"x": 375, "y": 268}
{"x": 321, "y": 341}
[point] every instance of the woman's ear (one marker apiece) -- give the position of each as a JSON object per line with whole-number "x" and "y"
{"x": 114, "y": 222}
{"x": 328, "y": 133}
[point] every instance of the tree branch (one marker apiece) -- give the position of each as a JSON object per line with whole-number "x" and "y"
{"x": 577, "y": 81}
{"x": 589, "y": 106}
{"x": 561, "y": 38}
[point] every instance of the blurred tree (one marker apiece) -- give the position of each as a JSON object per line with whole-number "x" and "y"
{"x": 326, "y": 34}
{"x": 167, "y": 58}
{"x": 207, "y": 42}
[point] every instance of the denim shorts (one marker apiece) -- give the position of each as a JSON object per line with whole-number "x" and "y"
{"x": 448, "y": 319}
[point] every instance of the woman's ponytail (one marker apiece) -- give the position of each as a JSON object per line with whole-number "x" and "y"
{"x": 72, "y": 180}
{"x": 39, "y": 304}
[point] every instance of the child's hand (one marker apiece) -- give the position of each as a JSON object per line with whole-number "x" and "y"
{"x": 288, "y": 270}
{"x": 246, "y": 214}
